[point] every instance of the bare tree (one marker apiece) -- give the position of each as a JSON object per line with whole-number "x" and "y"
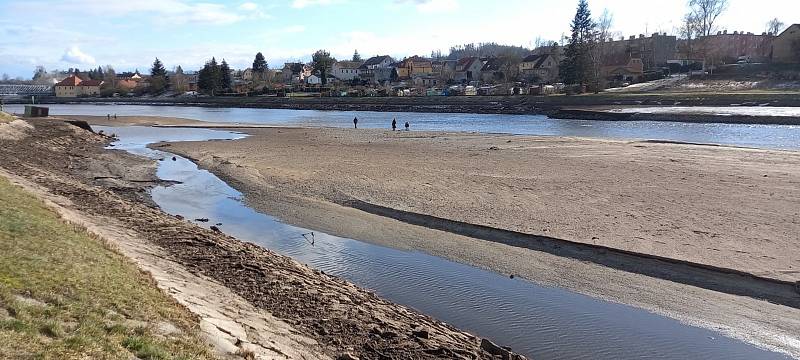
{"x": 603, "y": 48}
{"x": 774, "y": 26}
{"x": 705, "y": 14}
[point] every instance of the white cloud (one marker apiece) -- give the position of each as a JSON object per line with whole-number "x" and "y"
{"x": 248, "y": 6}
{"x": 74, "y": 55}
{"x": 299, "y": 4}
{"x": 294, "y": 29}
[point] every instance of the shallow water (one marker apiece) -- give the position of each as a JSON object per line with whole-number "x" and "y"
{"x": 757, "y": 136}
{"x": 541, "y": 322}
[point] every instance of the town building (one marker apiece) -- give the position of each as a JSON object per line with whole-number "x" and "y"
{"x": 413, "y": 67}
{"x": 73, "y": 86}
{"x": 728, "y": 48}
{"x": 468, "y": 69}
{"x": 654, "y": 51}
{"x": 296, "y": 73}
{"x": 786, "y": 47}
{"x": 378, "y": 69}
{"x": 346, "y": 70}
{"x": 624, "y": 70}
{"x": 541, "y": 68}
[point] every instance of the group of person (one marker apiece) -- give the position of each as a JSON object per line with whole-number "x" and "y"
{"x": 394, "y": 124}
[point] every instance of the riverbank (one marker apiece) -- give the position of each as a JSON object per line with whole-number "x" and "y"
{"x": 67, "y": 294}
{"x": 680, "y": 202}
{"x": 294, "y": 311}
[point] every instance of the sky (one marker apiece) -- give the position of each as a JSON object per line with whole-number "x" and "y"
{"x": 129, "y": 34}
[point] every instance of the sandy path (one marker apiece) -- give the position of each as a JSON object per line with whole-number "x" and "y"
{"x": 726, "y": 207}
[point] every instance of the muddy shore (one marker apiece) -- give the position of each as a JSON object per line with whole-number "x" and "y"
{"x": 541, "y": 186}
{"x": 292, "y": 198}
{"x": 71, "y": 163}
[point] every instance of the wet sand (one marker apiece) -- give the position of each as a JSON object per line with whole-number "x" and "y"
{"x": 711, "y": 205}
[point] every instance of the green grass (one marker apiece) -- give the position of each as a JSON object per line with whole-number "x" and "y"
{"x": 65, "y": 295}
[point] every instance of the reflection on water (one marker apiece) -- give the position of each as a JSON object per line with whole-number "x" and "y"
{"x": 759, "y": 136}
{"x": 541, "y": 322}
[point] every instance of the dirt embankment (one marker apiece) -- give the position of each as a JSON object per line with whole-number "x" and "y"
{"x": 70, "y": 163}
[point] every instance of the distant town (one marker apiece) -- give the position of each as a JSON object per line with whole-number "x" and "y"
{"x": 591, "y": 60}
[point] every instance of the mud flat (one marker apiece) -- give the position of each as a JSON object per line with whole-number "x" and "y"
{"x": 725, "y": 210}
{"x": 274, "y": 305}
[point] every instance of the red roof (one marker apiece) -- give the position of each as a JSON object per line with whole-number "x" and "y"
{"x": 91, "y": 83}
{"x": 72, "y": 80}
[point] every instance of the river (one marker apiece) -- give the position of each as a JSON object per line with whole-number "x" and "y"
{"x": 540, "y": 322}
{"x": 756, "y": 136}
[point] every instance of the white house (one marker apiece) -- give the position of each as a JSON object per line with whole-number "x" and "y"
{"x": 314, "y": 80}
{"x": 345, "y": 70}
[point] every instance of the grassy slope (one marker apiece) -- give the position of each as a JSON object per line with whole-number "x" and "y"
{"x": 65, "y": 295}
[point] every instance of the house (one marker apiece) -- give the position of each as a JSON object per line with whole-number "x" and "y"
{"x": 247, "y": 74}
{"x": 541, "y": 68}
{"x": 378, "y": 69}
{"x": 655, "y": 50}
{"x": 296, "y": 72}
{"x": 468, "y": 69}
{"x": 314, "y": 80}
{"x": 414, "y": 66}
{"x": 427, "y": 81}
{"x": 73, "y": 86}
{"x": 345, "y": 70}
{"x": 786, "y": 47}
{"x": 492, "y": 70}
{"x": 629, "y": 71}
{"x": 444, "y": 69}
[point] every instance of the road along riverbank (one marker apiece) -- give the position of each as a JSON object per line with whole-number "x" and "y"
{"x": 315, "y": 313}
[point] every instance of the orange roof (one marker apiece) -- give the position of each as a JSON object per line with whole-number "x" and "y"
{"x": 91, "y": 83}
{"x": 72, "y": 80}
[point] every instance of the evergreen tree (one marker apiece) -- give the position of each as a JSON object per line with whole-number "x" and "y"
{"x": 158, "y": 77}
{"x": 225, "y": 81}
{"x": 356, "y": 56}
{"x": 260, "y": 64}
{"x": 576, "y": 68}
{"x": 322, "y": 62}
{"x": 208, "y": 79}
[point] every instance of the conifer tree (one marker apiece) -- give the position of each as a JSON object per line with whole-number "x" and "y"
{"x": 577, "y": 66}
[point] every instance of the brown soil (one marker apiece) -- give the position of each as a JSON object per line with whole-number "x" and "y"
{"x": 724, "y": 207}
{"x": 65, "y": 161}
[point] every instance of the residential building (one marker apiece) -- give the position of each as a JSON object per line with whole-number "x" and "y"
{"x": 492, "y": 70}
{"x": 786, "y": 47}
{"x": 73, "y": 86}
{"x": 378, "y": 69}
{"x": 728, "y": 48}
{"x": 654, "y": 51}
{"x": 314, "y": 80}
{"x": 296, "y": 72}
{"x": 468, "y": 69}
{"x": 346, "y": 70}
{"x": 622, "y": 70}
{"x": 541, "y": 68}
{"x": 413, "y": 67}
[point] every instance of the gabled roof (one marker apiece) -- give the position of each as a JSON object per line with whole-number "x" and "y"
{"x": 375, "y": 60}
{"x": 465, "y": 63}
{"x": 492, "y": 64}
{"x": 348, "y": 64}
{"x": 790, "y": 30}
{"x": 71, "y": 80}
{"x": 91, "y": 83}
{"x": 537, "y": 59}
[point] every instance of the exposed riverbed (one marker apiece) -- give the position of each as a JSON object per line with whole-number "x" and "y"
{"x": 542, "y": 322}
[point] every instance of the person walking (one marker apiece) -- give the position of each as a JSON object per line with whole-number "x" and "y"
{"x": 407, "y": 125}
{"x": 394, "y": 124}
{"x": 355, "y": 122}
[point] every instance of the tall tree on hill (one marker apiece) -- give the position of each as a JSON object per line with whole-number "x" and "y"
{"x": 260, "y": 68}
{"x": 356, "y": 56}
{"x": 158, "y": 77}
{"x": 208, "y": 80}
{"x": 322, "y": 62}
{"x": 705, "y": 14}
{"x": 225, "y": 81}
{"x": 577, "y": 66}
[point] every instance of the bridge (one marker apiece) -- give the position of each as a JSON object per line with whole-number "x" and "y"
{"x": 26, "y": 90}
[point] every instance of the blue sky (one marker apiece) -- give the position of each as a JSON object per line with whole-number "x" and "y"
{"x": 129, "y": 34}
